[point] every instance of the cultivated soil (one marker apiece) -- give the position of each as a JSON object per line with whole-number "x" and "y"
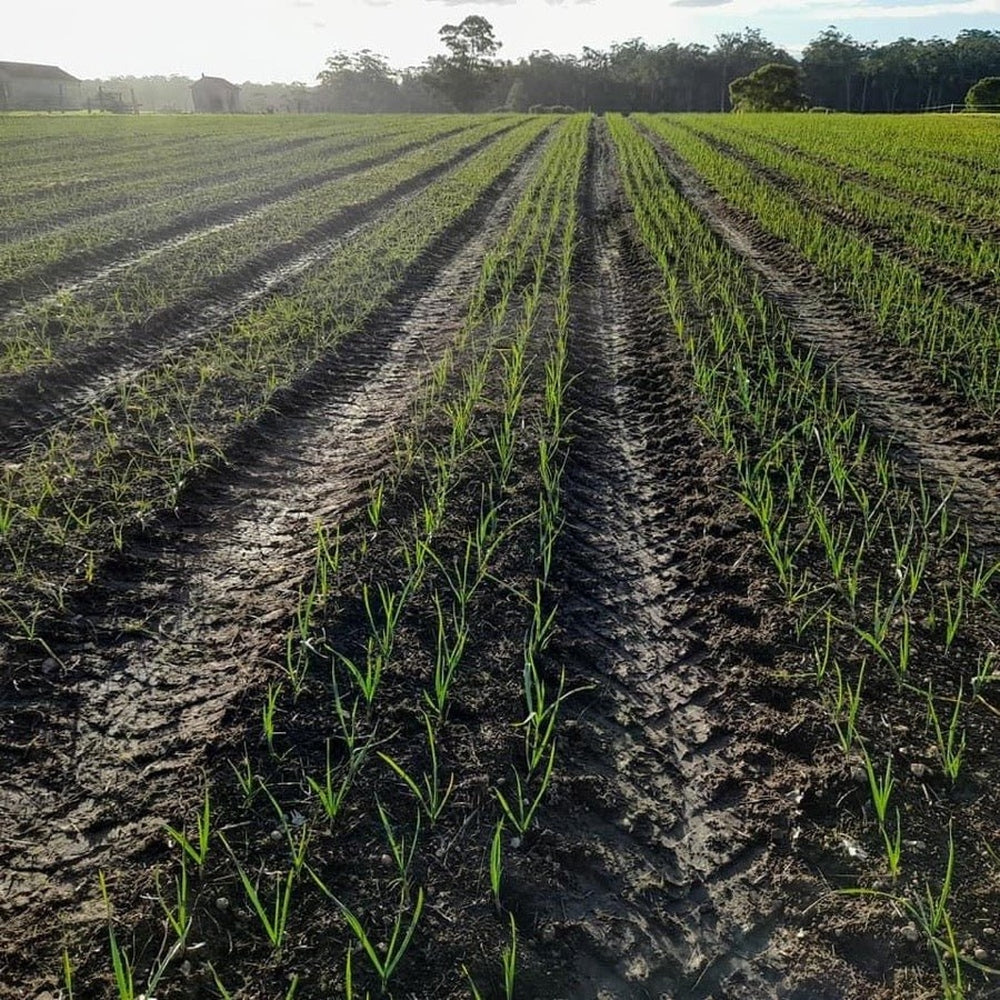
{"x": 701, "y": 815}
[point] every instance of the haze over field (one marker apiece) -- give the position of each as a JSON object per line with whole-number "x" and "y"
{"x": 290, "y": 39}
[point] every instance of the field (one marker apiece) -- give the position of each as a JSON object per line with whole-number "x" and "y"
{"x": 501, "y": 556}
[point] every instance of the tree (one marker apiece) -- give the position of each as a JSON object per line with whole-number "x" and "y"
{"x": 832, "y": 67}
{"x": 471, "y": 43}
{"x": 361, "y": 81}
{"x": 985, "y": 93}
{"x": 737, "y": 54}
{"x": 468, "y": 72}
{"x": 773, "y": 87}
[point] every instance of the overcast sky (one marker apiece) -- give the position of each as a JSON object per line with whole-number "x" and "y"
{"x": 266, "y": 40}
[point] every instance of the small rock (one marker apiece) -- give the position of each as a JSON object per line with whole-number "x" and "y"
{"x": 221, "y": 903}
{"x": 385, "y": 861}
{"x": 919, "y": 770}
{"x": 515, "y": 842}
{"x": 910, "y": 932}
{"x": 989, "y": 932}
{"x": 50, "y": 666}
{"x": 852, "y": 847}
{"x": 980, "y": 954}
{"x": 276, "y": 835}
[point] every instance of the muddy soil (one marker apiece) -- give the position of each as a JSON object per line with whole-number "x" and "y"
{"x": 110, "y": 734}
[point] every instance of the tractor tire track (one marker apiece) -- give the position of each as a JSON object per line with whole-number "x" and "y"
{"x": 105, "y": 746}
{"x": 653, "y": 828}
{"x": 932, "y": 431}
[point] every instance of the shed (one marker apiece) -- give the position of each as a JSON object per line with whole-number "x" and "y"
{"x": 33, "y": 87}
{"x": 213, "y": 94}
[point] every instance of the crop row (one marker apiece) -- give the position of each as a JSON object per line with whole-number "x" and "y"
{"x": 74, "y": 494}
{"x": 113, "y": 178}
{"x": 958, "y": 341}
{"x": 898, "y": 215}
{"x": 130, "y": 227}
{"x": 882, "y": 577}
{"x": 74, "y": 155}
{"x": 921, "y": 158}
{"x": 182, "y": 174}
{"x": 358, "y": 752}
{"x": 467, "y": 534}
{"x": 182, "y": 269}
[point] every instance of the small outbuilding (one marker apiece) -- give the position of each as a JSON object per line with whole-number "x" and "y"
{"x": 33, "y": 87}
{"x": 215, "y": 95}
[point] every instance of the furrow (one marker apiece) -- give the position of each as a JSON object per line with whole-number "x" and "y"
{"x": 663, "y": 845}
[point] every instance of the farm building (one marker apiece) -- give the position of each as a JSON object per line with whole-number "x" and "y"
{"x": 32, "y": 87}
{"x": 212, "y": 93}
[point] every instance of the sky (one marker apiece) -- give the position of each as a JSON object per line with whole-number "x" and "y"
{"x": 286, "y": 40}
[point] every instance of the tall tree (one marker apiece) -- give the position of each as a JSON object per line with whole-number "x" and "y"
{"x": 468, "y": 73}
{"x": 832, "y": 69}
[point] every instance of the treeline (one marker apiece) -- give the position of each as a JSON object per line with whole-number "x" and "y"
{"x": 836, "y": 72}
